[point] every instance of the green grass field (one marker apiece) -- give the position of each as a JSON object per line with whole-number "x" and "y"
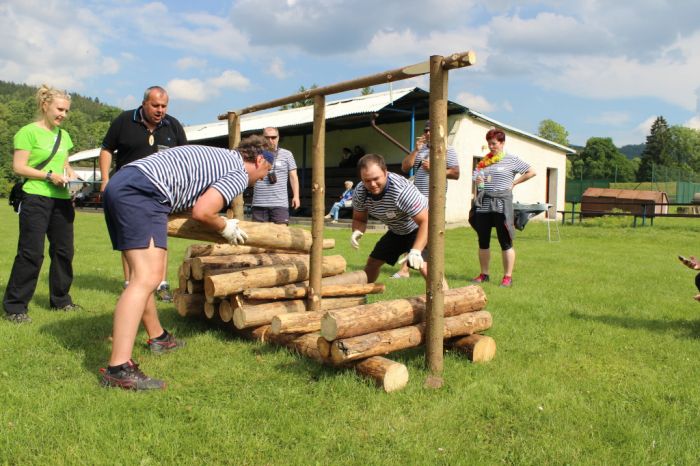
{"x": 597, "y": 363}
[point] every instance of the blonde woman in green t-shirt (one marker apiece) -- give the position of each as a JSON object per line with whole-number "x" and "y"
{"x": 46, "y": 210}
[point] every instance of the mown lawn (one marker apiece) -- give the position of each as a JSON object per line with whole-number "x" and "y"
{"x": 597, "y": 363}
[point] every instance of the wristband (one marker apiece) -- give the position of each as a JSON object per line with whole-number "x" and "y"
{"x": 48, "y": 175}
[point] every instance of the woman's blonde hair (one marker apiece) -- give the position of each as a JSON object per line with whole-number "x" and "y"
{"x": 46, "y": 94}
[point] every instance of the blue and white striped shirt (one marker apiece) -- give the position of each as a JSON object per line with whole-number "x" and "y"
{"x": 184, "y": 173}
{"x": 395, "y": 207}
{"x": 500, "y": 176}
{"x": 275, "y": 195}
{"x": 422, "y": 178}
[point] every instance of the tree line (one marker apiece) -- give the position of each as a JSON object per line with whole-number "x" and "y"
{"x": 87, "y": 123}
{"x": 668, "y": 150}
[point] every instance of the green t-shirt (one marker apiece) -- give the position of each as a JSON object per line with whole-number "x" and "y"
{"x": 39, "y": 142}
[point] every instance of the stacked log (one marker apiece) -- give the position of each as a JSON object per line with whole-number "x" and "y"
{"x": 260, "y": 292}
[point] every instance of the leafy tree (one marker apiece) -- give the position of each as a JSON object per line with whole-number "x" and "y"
{"x": 301, "y": 103}
{"x": 367, "y": 90}
{"x": 656, "y": 150}
{"x": 553, "y": 131}
{"x": 684, "y": 149}
{"x": 600, "y": 159}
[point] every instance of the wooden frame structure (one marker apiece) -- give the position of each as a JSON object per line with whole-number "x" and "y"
{"x": 438, "y": 67}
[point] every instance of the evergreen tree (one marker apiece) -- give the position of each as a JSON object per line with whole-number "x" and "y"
{"x": 655, "y": 152}
{"x": 301, "y": 103}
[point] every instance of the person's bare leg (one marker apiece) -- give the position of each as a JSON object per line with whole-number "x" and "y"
{"x": 133, "y": 305}
{"x": 508, "y": 257}
{"x": 484, "y": 260}
{"x": 125, "y": 268}
{"x": 165, "y": 266}
{"x": 372, "y": 269}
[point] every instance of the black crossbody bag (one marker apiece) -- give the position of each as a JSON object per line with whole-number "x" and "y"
{"x": 17, "y": 193}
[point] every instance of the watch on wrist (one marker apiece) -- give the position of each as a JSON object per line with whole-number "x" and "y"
{"x": 48, "y": 175}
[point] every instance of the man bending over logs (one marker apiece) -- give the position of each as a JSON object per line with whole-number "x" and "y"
{"x": 137, "y": 202}
{"x": 400, "y": 206}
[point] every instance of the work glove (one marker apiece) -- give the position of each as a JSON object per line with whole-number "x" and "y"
{"x": 233, "y": 233}
{"x": 355, "y": 238}
{"x": 415, "y": 259}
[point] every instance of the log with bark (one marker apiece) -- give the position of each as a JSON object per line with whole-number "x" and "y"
{"x": 219, "y": 286}
{"x": 396, "y": 313}
{"x": 189, "y": 305}
{"x": 253, "y": 316}
{"x": 388, "y": 375}
{"x": 264, "y": 235}
{"x": 195, "y": 286}
{"x": 386, "y": 341}
{"x": 296, "y": 292}
{"x": 225, "y": 249}
{"x": 478, "y": 348}
{"x": 203, "y": 264}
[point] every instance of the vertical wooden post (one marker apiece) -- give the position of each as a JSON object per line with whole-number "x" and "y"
{"x": 436, "y": 221}
{"x": 234, "y": 138}
{"x": 318, "y": 193}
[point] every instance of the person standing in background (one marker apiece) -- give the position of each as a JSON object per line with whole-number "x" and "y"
{"x": 135, "y": 134}
{"x": 46, "y": 209}
{"x": 270, "y": 197}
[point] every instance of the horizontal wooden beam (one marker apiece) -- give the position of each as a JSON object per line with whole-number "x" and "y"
{"x": 456, "y": 60}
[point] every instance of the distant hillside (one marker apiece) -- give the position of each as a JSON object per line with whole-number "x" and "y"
{"x": 632, "y": 150}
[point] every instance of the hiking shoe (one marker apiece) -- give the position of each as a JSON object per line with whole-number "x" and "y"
{"x": 21, "y": 318}
{"x": 130, "y": 377}
{"x": 163, "y": 294}
{"x": 166, "y": 345}
{"x": 481, "y": 278}
{"x": 507, "y": 282}
{"x": 68, "y": 308}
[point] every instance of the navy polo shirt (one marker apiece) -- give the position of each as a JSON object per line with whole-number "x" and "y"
{"x": 128, "y": 138}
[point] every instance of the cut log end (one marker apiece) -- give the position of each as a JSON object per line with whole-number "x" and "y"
{"x": 478, "y": 348}
{"x": 387, "y": 374}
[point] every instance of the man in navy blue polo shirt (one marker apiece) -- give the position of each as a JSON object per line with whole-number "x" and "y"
{"x": 134, "y": 135}
{"x": 397, "y": 203}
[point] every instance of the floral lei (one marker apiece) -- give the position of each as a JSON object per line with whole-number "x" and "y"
{"x": 490, "y": 159}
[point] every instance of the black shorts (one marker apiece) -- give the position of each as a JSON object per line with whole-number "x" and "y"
{"x": 390, "y": 246}
{"x": 271, "y": 214}
{"x": 135, "y": 211}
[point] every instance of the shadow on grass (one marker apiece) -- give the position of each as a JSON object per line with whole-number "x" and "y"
{"x": 97, "y": 283}
{"x": 687, "y": 328}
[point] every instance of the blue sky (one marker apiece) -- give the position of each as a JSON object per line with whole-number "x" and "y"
{"x": 599, "y": 68}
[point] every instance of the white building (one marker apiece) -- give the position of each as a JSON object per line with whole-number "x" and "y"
{"x": 401, "y": 114}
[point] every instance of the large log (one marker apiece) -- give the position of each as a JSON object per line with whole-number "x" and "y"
{"x": 200, "y": 265}
{"x": 397, "y": 313}
{"x": 260, "y": 234}
{"x": 297, "y": 322}
{"x": 189, "y": 305}
{"x": 478, "y": 348}
{"x": 211, "y": 309}
{"x": 253, "y": 316}
{"x": 225, "y": 310}
{"x": 296, "y": 292}
{"x": 388, "y": 375}
{"x": 195, "y": 286}
{"x": 219, "y": 286}
{"x": 225, "y": 249}
{"x": 379, "y": 343}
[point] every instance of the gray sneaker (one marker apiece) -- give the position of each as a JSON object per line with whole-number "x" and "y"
{"x": 21, "y": 318}
{"x": 163, "y": 294}
{"x": 170, "y": 343}
{"x": 130, "y": 377}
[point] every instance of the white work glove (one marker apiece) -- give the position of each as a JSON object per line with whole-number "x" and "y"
{"x": 355, "y": 238}
{"x": 233, "y": 233}
{"x": 415, "y": 259}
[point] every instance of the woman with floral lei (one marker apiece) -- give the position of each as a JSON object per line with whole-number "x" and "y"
{"x": 493, "y": 205}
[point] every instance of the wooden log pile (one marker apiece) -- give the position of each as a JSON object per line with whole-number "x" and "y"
{"x": 260, "y": 292}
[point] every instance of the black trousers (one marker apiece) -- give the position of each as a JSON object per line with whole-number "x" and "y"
{"x": 42, "y": 217}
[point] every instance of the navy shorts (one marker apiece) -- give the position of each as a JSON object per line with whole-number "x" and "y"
{"x": 270, "y": 214}
{"x": 390, "y": 246}
{"x": 135, "y": 211}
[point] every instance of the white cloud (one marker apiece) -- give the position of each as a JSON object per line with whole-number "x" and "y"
{"x": 694, "y": 122}
{"x": 185, "y": 63}
{"x": 276, "y": 68}
{"x": 507, "y": 106}
{"x": 475, "y": 102}
{"x": 644, "y": 128}
{"x": 55, "y": 43}
{"x": 198, "y": 90}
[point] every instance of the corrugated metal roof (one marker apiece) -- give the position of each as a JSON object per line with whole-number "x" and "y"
{"x": 365, "y": 104}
